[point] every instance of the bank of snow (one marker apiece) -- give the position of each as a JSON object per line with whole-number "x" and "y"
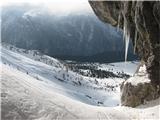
{"x": 25, "y": 97}
{"x": 140, "y": 77}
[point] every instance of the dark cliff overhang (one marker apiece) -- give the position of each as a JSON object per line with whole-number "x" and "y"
{"x": 141, "y": 21}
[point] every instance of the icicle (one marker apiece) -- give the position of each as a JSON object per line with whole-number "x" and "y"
{"x": 119, "y": 18}
{"x": 126, "y": 35}
{"x": 124, "y": 31}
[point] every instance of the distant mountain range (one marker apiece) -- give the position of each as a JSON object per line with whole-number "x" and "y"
{"x": 75, "y": 36}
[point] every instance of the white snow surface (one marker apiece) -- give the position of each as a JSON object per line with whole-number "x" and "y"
{"x": 138, "y": 80}
{"x": 66, "y": 82}
{"x": 126, "y": 67}
{"x": 34, "y": 90}
{"x": 140, "y": 77}
{"x": 24, "y": 97}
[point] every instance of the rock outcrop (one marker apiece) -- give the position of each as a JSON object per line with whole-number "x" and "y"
{"x": 134, "y": 95}
{"x": 140, "y": 20}
{"x": 138, "y": 89}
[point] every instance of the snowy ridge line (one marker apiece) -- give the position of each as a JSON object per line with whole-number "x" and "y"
{"x": 35, "y": 55}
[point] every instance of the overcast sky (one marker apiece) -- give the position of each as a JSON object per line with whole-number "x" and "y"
{"x": 59, "y": 5}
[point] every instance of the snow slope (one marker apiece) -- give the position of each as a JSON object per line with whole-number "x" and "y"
{"x": 39, "y": 90}
{"x": 24, "y": 97}
{"x": 129, "y": 67}
{"x": 65, "y": 82}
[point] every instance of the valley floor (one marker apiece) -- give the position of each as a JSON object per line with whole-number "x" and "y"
{"x": 23, "y": 97}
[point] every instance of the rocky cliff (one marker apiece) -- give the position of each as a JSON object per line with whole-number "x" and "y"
{"x": 140, "y": 21}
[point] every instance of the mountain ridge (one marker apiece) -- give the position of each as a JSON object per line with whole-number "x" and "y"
{"x": 69, "y": 35}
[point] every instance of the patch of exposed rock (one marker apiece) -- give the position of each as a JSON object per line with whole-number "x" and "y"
{"x": 136, "y": 95}
{"x": 140, "y": 20}
{"x": 138, "y": 89}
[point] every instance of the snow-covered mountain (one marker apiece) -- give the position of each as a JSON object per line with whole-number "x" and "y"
{"x": 89, "y": 90}
{"x": 36, "y": 86}
{"x": 77, "y": 36}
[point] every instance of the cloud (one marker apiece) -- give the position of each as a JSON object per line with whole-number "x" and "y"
{"x": 54, "y": 5}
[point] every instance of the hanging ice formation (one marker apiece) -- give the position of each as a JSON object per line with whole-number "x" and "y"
{"x": 126, "y": 35}
{"x": 119, "y": 18}
{"x": 126, "y": 29}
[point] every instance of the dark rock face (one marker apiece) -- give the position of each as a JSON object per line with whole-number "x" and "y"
{"x": 139, "y": 89}
{"x": 141, "y": 20}
{"x": 135, "y": 95}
